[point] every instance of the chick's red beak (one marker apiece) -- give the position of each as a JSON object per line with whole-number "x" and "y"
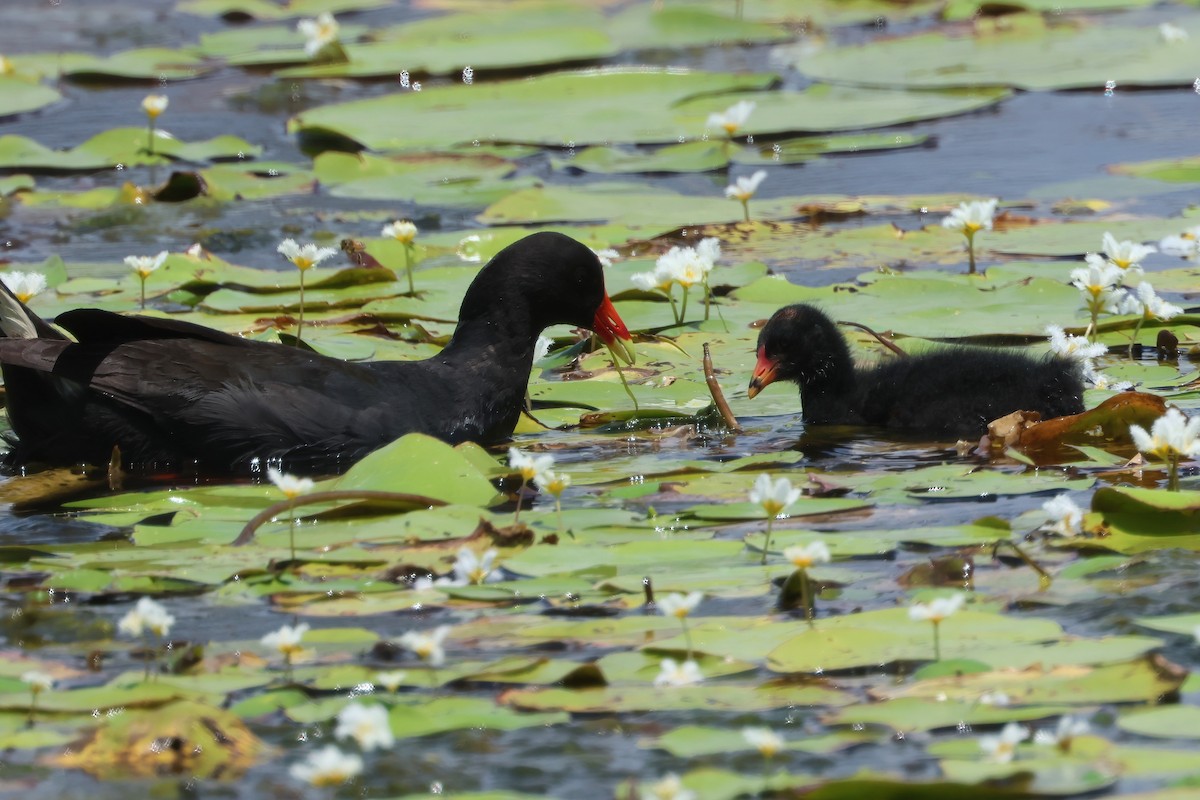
{"x": 612, "y": 331}
{"x": 764, "y": 373}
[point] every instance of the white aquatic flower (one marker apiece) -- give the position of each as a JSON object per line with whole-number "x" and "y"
{"x": 318, "y": 32}
{"x": 402, "y": 231}
{"x": 1143, "y": 302}
{"x": 427, "y": 645}
{"x": 1068, "y": 728}
{"x": 154, "y": 105}
{"x": 1074, "y": 347}
{"x": 304, "y": 256}
{"x": 326, "y": 767}
{"x": 144, "y": 265}
{"x": 38, "y": 682}
{"x": 292, "y": 486}
{"x": 367, "y": 725}
{"x": 1125, "y": 254}
{"x": 607, "y": 256}
{"x": 472, "y": 569}
{"x": 1002, "y": 748}
{"x": 147, "y": 615}
{"x": 1171, "y": 33}
{"x": 669, "y": 787}
{"x": 937, "y": 609}
{"x": 541, "y": 348}
{"x": 773, "y": 496}
{"x": 804, "y": 556}
{"x": 679, "y": 605}
{"x": 1185, "y": 245}
{"x": 658, "y": 279}
{"x": 765, "y": 740}
{"x": 1096, "y": 281}
{"x": 731, "y": 119}
{"x": 25, "y": 285}
{"x": 1065, "y": 518}
{"x": 685, "y": 266}
{"x": 529, "y": 465}
{"x": 744, "y": 187}
{"x": 1099, "y": 380}
{"x": 553, "y": 483}
{"x": 286, "y": 640}
{"x": 709, "y": 249}
{"x": 673, "y": 673}
{"x": 390, "y": 680}
{"x": 1172, "y": 435}
{"x": 971, "y": 216}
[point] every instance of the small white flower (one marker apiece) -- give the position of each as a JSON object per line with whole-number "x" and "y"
{"x": 1144, "y": 302}
{"x": 709, "y": 249}
{"x": 154, "y": 105}
{"x": 744, "y": 187}
{"x": 994, "y": 699}
{"x": 38, "y": 681}
{"x": 607, "y": 256}
{"x": 328, "y": 766}
{"x": 1065, "y": 518}
{"x": 765, "y": 740}
{"x": 1171, "y": 435}
{"x": 1102, "y": 382}
{"x": 804, "y": 556}
{"x": 286, "y": 640}
{"x": 659, "y": 279}
{"x": 1186, "y": 245}
{"x": 25, "y": 285}
{"x": 1097, "y": 280}
{"x": 390, "y": 680}
{"x": 673, "y": 673}
{"x": 318, "y": 32}
{"x": 1125, "y": 254}
{"x": 427, "y": 646}
{"x": 147, "y": 615}
{"x": 668, "y": 788}
{"x": 1002, "y": 748}
{"x": 291, "y": 485}
{"x": 1068, "y": 728}
{"x": 679, "y": 605}
{"x": 684, "y": 265}
{"x": 731, "y": 119}
{"x": 304, "y": 256}
{"x": 402, "y": 231}
{"x": 553, "y": 483}
{"x": 144, "y": 265}
{"x": 472, "y": 569}
{"x": 937, "y": 609}
{"x": 1076, "y": 347}
{"x": 1171, "y": 33}
{"x": 367, "y": 725}
{"x": 530, "y": 466}
{"x": 972, "y": 216}
{"x": 773, "y": 496}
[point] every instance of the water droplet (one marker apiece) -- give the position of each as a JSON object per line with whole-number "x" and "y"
{"x": 241, "y": 156}
{"x": 468, "y": 75}
{"x": 1196, "y": 85}
{"x": 120, "y": 167}
{"x": 1109, "y": 87}
{"x": 416, "y": 86}
{"x": 404, "y": 78}
{"x": 435, "y": 787}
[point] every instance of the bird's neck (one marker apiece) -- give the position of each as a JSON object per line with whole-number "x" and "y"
{"x": 827, "y": 391}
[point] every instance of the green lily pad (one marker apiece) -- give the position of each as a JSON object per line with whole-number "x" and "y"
{"x": 18, "y": 95}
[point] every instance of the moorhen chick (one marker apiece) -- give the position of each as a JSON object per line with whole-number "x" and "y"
{"x": 173, "y": 394}
{"x": 957, "y": 390}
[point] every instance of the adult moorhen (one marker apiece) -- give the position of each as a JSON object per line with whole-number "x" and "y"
{"x": 956, "y": 390}
{"x": 172, "y": 394}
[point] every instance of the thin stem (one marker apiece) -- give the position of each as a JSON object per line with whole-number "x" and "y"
{"x": 707, "y": 296}
{"x": 558, "y": 510}
{"x": 287, "y": 667}
{"x": 142, "y": 278}
{"x": 300, "y": 320}
{"x": 150, "y": 137}
{"x": 32, "y": 708}
{"x": 767, "y": 543}
{"x": 1173, "y": 472}
{"x": 292, "y": 527}
{"x": 408, "y": 267}
{"x": 687, "y": 636}
{"x": 806, "y": 599}
{"x": 746, "y": 210}
{"x": 937, "y": 641}
{"x": 520, "y": 495}
{"x": 146, "y": 662}
{"x": 1137, "y": 329}
{"x": 683, "y": 305}
{"x": 624, "y": 383}
{"x": 674, "y": 309}
{"x": 971, "y": 252}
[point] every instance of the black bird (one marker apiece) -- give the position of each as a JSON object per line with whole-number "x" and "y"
{"x": 956, "y": 390}
{"x": 172, "y": 394}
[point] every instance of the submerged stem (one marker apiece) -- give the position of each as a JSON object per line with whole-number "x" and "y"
{"x": 767, "y": 543}
{"x": 300, "y": 320}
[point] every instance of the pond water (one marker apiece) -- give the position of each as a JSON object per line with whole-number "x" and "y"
{"x": 641, "y": 506}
